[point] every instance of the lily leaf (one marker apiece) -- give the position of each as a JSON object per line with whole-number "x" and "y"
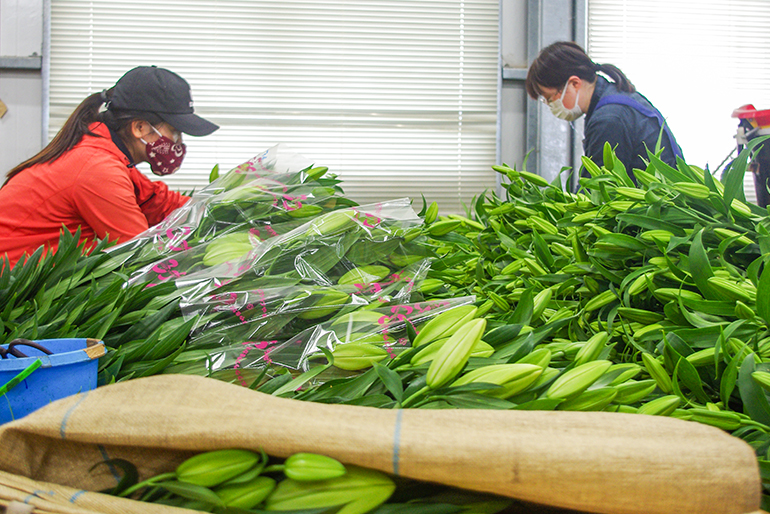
{"x": 755, "y": 402}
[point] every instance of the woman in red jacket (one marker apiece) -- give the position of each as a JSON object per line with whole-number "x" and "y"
{"x": 86, "y": 176}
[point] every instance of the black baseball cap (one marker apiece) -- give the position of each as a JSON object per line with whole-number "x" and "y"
{"x": 163, "y": 93}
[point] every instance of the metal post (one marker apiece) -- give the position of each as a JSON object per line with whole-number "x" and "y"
{"x": 45, "y": 73}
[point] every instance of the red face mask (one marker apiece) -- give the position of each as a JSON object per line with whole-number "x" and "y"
{"x": 165, "y": 156}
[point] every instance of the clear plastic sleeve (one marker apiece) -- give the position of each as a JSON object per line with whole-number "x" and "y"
{"x": 382, "y": 326}
{"x": 268, "y": 195}
{"x": 273, "y": 254}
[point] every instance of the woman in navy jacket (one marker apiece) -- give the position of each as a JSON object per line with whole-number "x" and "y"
{"x": 568, "y": 81}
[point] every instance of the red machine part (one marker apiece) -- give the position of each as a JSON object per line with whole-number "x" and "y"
{"x": 749, "y": 113}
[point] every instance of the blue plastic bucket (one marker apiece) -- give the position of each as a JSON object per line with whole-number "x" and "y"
{"x": 70, "y": 369}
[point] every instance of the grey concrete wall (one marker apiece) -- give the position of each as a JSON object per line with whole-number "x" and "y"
{"x": 21, "y": 84}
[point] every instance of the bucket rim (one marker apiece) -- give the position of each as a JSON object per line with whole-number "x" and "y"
{"x": 93, "y": 349}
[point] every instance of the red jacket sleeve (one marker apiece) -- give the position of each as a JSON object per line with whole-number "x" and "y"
{"x": 154, "y": 198}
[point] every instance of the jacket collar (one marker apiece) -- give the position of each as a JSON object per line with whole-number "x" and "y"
{"x": 599, "y": 91}
{"x": 121, "y": 146}
{"x": 109, "y": 140}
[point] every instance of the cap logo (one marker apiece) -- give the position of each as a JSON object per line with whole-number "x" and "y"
{"x": 191, "y": 101}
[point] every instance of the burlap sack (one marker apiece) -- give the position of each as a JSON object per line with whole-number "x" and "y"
{"x": 16, "y": 491}
{"x": 595, "y": 462}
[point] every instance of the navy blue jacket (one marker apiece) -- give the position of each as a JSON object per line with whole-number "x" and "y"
{"x": 626, "y": 129}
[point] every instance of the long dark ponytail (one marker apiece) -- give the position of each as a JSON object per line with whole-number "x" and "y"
{"x": 559, "y": 61}
{"x": 621, "y": 81}
{"x": 70, "y": 134}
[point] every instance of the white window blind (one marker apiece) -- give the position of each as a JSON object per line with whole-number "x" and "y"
{"x": 398, "y": 97}
{"x": 695, "y": 61}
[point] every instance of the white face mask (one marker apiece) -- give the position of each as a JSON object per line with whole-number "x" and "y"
{"x": 561, "y": 112}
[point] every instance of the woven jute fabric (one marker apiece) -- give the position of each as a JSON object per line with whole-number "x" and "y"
{"x": 589, "y": 461}
{"x": 58, "y": 499}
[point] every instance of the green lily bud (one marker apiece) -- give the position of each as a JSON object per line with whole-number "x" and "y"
{"x": 623, "y": 372}
{"x": 663, "y": 406}
{"x": 640, "y": 283}
{"x": 485, "y": 308}
{"x": 357, "y": 491}
{"x": 249, "y": 475}
{"x": 594, "y": 400}
{"x": 656, "y": 235}
{"x": 364, "y": 275}
{"x": 540, "y": 302}
{"x": 246, "y": 495}
{"x": 355, "y": 356}
{"x": 245, "y": 193}
{"x": 630, "y": 192}
{"x": 683, "y": 414}
{"x": 429, "y": 351}
{"x": 431, "y": 213}
{"x": 357, "y": 318}
{"x": 514, "y": 378}
{"x": 365, "y": 337}
{"x": 762, "y": 378}
{"x": 409, "y": 233}
{"x": 592, "y": 349}
{"x": 547, "y": 375}
{"x": 445, "y": 324}
{"x": 743, "y": 311}
{"x": 736, "y": 206}
{"x": 227, "y": 248}
{"x": 311, "y": 466}
{"x": 640, "y": 315}
{"x": 482, "y": 349}
{"x": 725, "y": 420}
{"x": 691, "y": 189}
{"x": 306, "y": 211}
{"x": 402, "y": 261}
{"x": 326, "y": 297}
{"x": 641, "y": 331}
{"x": 467, "y": 222}
{"x": 540, "y": 357}
{"x": 578, "y": 379}
{"x": 657, "y": 372}
{"x": 645, "y": 178}
{"x": 430, "y": 285}
{"x": 500, "y": 302}
{"x": 600, "y": 300}
{"x": 625, "y": 409}
{"x": 534, "y": 178}
{"x": 632, "y": 391}
{"x": 317, "y": 172}
{"x": 669, "y": 294}
{"x": 703, "y": 357}
{"x": 441, "y": 228}
{"x": 229, "y": 180}
{"x": 512, "y": 267}
{"x": 196, "y": 493}
{"x": 332, "y": 223}
{"x": 212, "y": 468}
{"x": 454, "y": 354}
